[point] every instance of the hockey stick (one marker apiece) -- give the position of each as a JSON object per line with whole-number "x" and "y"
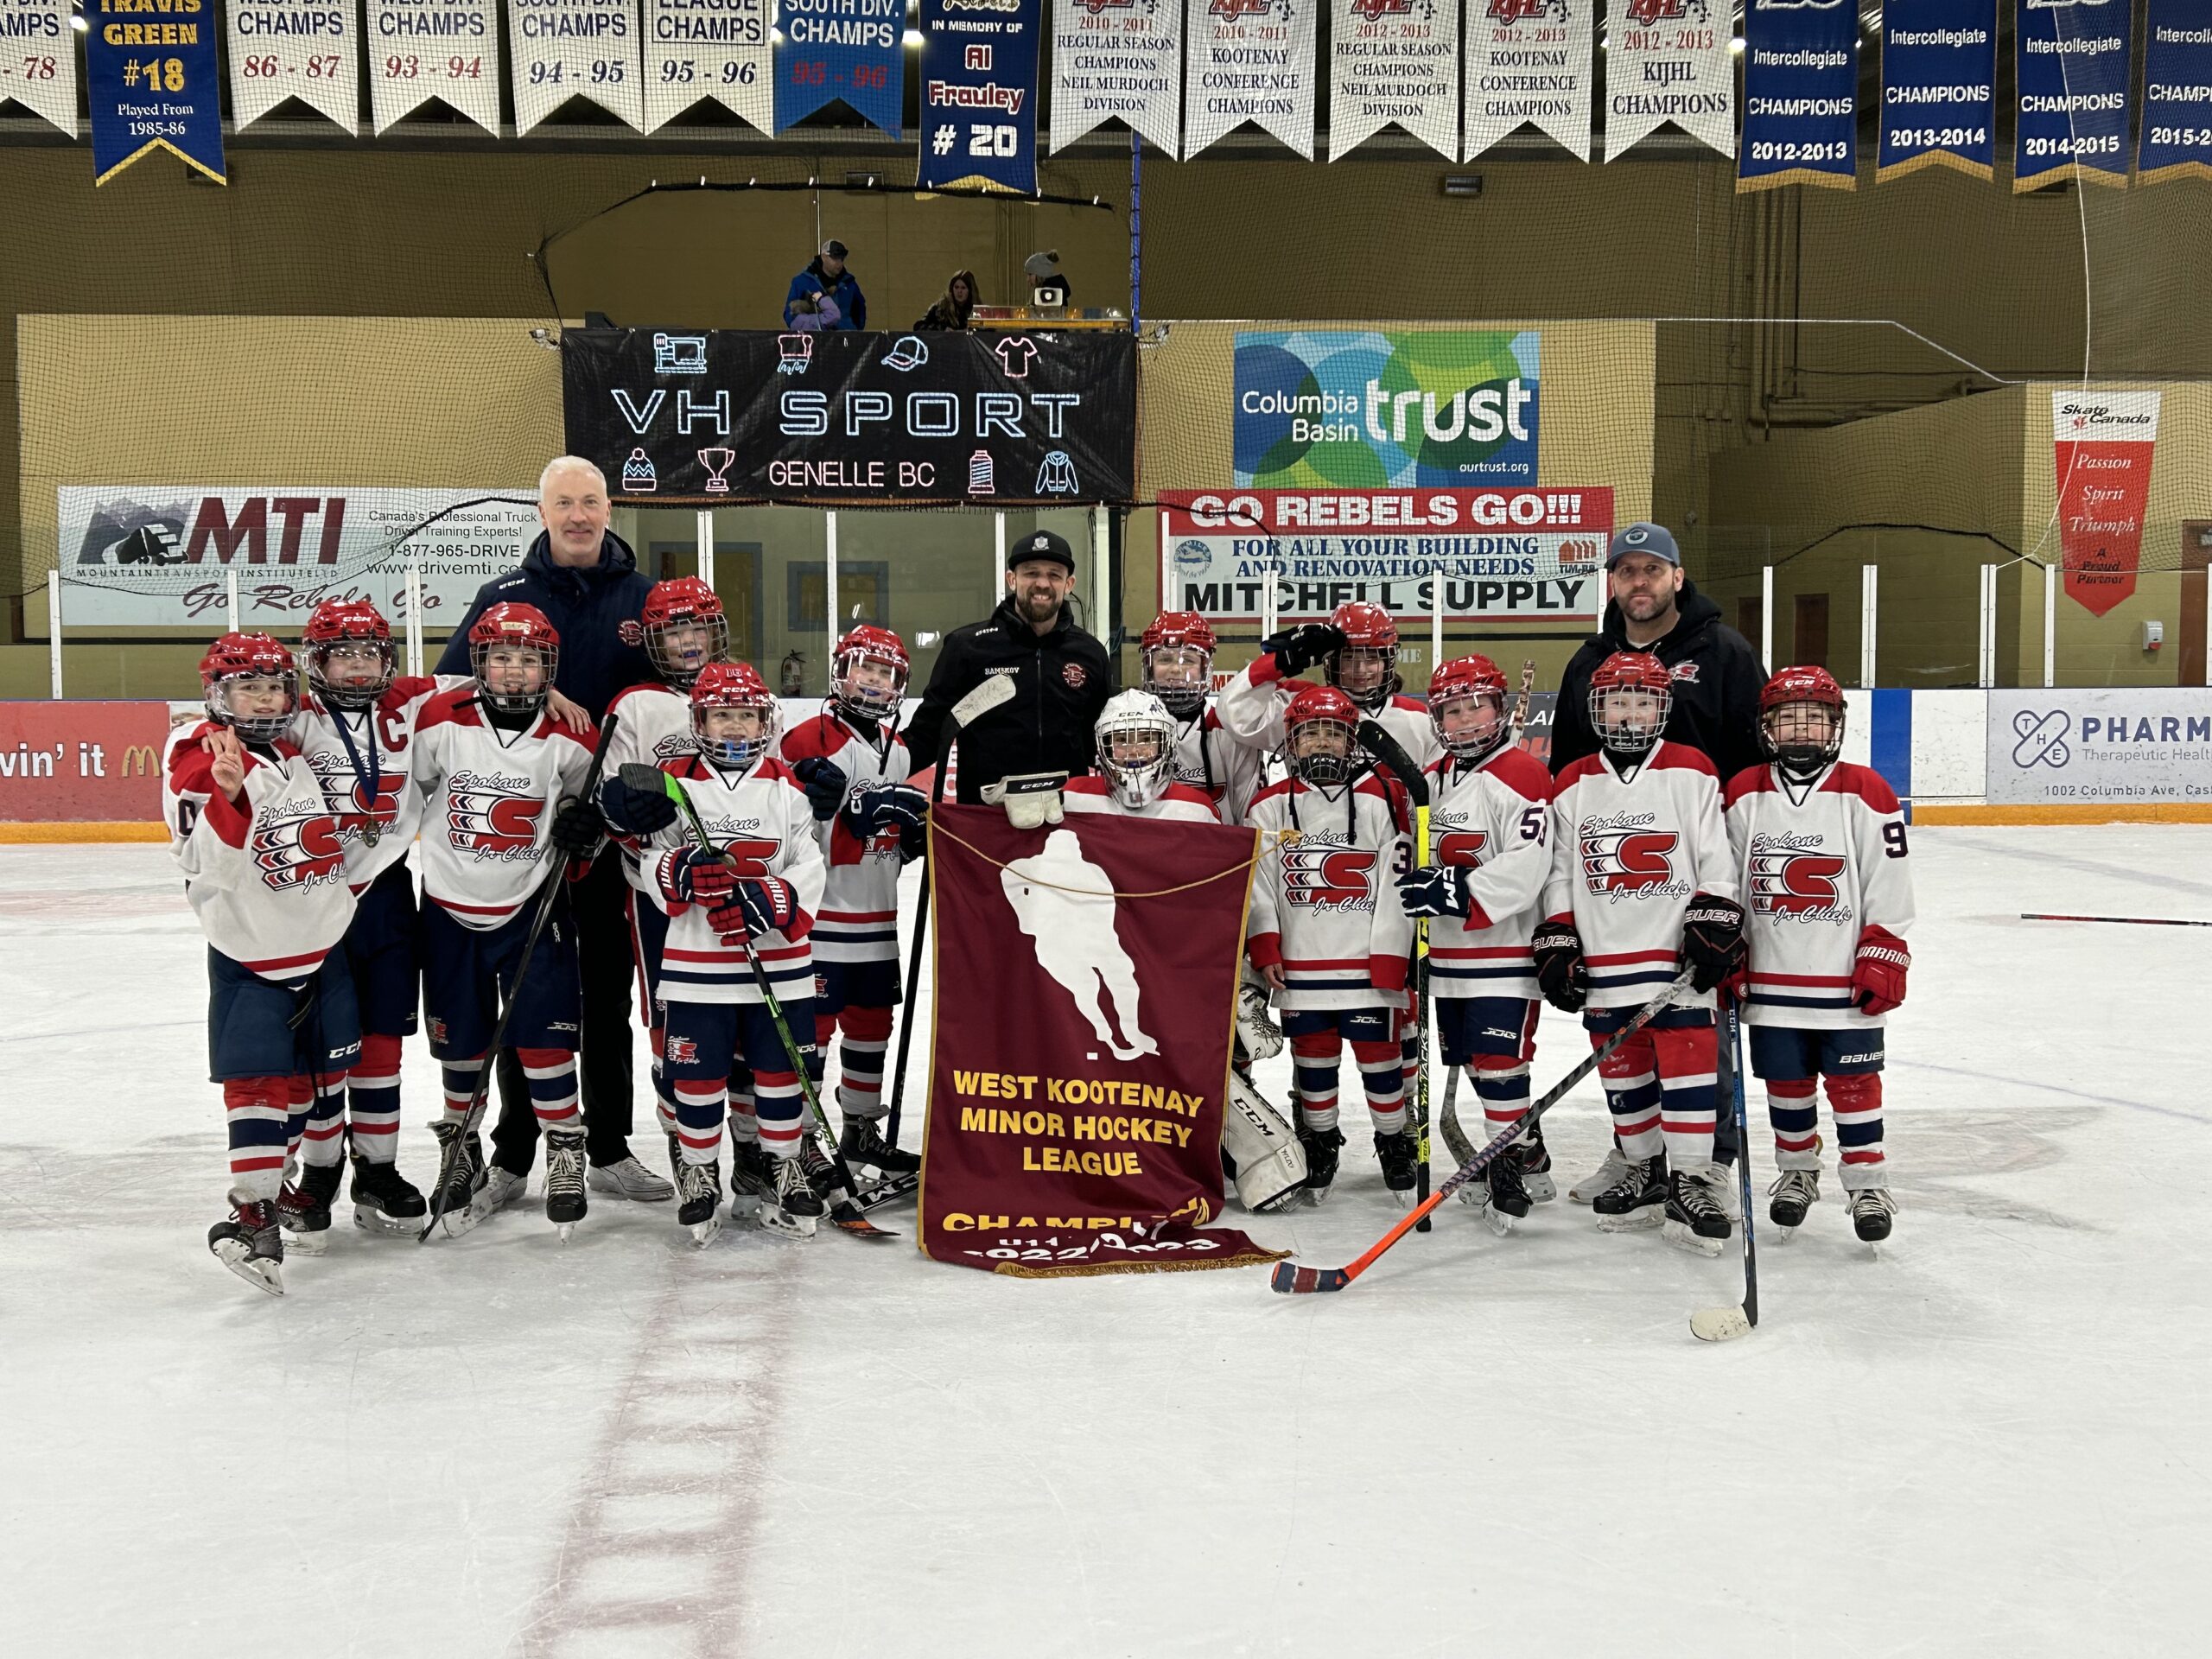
{"x": 1295, "y": 1280}
{"x": 1385, "y": 748}
{"x": 1726, "y": 1324}
{"x": 2135, "y": 921}
{"x": 1521, "y": 701}
{"x": 555, "y": 881}
{"x": 995, "y": 689}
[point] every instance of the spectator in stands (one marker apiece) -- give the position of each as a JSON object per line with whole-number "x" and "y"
{"x": 955, "y": 308}
{"x": 826, "y": 295}
{"x": 1043, "y": 270}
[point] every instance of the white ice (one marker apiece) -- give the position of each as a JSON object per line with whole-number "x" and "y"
{"x": 1987, "y": 1437}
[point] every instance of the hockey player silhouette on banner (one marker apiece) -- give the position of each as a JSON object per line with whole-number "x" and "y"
{"x": 1065, "y": 904}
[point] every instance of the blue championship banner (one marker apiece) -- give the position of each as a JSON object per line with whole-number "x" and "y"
{"x": 1939, "y": 87}
{"x": 1801, "y": 95}
{"x": 979, "y": 93}
{"x": 840, "y": 48}
{"x": 2072, "y": 72}
{"x": 154, "y": 80}
{"x": 2177, "y": 92}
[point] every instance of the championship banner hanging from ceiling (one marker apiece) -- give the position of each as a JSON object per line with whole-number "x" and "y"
{"x": 1669, "y": 60}
{"x": 712, "y": 49}
{"x": 1939, "y": 87}
{"x": 1250, "y": 60}
{"x": 446, "y": 49}
{"x": 846, "y": 49}
{"x": 153, "y": 81}
{"x": 1393, "y": 61}
{"x": 979, "y": 93}
{"x": 39, "y": 67}
{"x": 280, "y": 51}
{"x": 1801, "y": 95}
{"x": 1529, "y": 64}
{"x": 2177, "y": 142}
{"x": 575, "y": 48}
{"x": 2071, "y": 65}
{"x": 2101, "y": 444}
{"x": 1118, "y": 60}
{"x": 1077, "y": 1083}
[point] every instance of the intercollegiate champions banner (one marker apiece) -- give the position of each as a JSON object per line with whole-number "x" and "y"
{"x": 1250, "y": 60}
{"x": 1118, "y": 60}
{"x": 1669, "y": 60}
{"x": 1939, "y": 87}
{"x": 979, "y": 93}
{"x": 309, "y": 52}
{"x": 575, "y": 48}
{"x": 38, "y": 60}
{"x": 1077, "y": 1082}
{"x": 715, "y": 49}
{"x": 1801, "y": 94}
{"x": 840, "y": 48}
{"x": 1393, "y": 61}
{"x": 153, "y": 81}
{"x": 446, "y": 49}
{"x": 1529, "y": 63}
{"x": 2177, "y": 139}
{"x": 2101, "y": 444}
{"x": 2071, "y": 68}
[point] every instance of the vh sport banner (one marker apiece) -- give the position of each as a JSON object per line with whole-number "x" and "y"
{"x": 1505, "y": 556}
{"x": 979, "y": 93}
{"x": 2177, "y": 142}
{"x": 711, "y": 49}
{"x": 38, "y": 60}
{"x": 1669, "y": 60}
{"x": 846, "y": 49}
{"x": 1439, "y": 406}
{"x": 2072, "y": 73}
{"x": 1076, "y": 1084}
{"x": 422, "y": 49}
{"x": 561, "y": 49}
{"x": 1118, "y": 60}
{"x": 1394, "y": 62}
{"x": 1939, "y": 86}
{"x": 1801, "y": 94}
{"x": 720, "y": 415}
{"x": 2109, "y": 743}
{"x": 309, "y": 52}
{"x": 1250, "y": 60}
{"x": 153, "y": 81}
{"x": 1529, "y": 64}
{"x": 2101, "y": 444}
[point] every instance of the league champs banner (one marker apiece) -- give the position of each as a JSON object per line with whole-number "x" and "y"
{"x": 2101, "y": 444}
{"x": 715, "y": 416}
{"x": 1801, "y": 95}
{"x": 2071, "y": 68}
{"x": 2177, "y": 141}
{"x": 979, "y": 93}
{"x": 1669, "y": 60}
{"x": 39, "y": 67}
{"x": 840, "y": 48}
{"x": 1250, "y": 60}
{"x": 1939, "y": 87}
{"x": 153, "y": 81}
{"x": 309, "y": 52}
{"x": 1529, "y": 64}
{"x": 1077, "y": 1083}
{"x": 446, "y": 49}
{"x": 713, "y": 49}
{"x": 1393, "y": 61}
{"x": 561, "y": 49}
{"x": 1118, "y": 60}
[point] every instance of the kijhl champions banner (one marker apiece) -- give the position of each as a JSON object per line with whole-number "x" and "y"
{"x": 715, "y": 49}
{"x": 446, "y": 49}
{"x": 979, "y": 93}
{"x": 840, "y": 48}
{"x": 1670, "y": 60}
{"x": 1250, "y": 60}
{"x": 1118, "y": 60}
{"x": 2101, "y": 444}
{"x": 1939, "y": 86}
{"x": 38, "y": 60}
{"x": 1801, "y": 94}
{"x": 1394, "y": 62}
{"x": 309, "y": 52}
{"x": 1529, "y": 64}
{"x": 1077, "y": 1082}
{"x": 2072, "y": 73}
{"x": 2177, "y": 141}
{"x": 575, "y": 48}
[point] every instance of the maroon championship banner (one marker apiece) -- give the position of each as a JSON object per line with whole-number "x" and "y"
{"x": 1087, "y": 984}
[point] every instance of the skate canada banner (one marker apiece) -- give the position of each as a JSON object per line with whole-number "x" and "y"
{"x": 1077, "y": 1072}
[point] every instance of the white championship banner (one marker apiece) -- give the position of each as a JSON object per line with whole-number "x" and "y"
{"x": 708, "y": 48}
{"x": 38, "y": 60}
{"x": 446, "y": 49}
{"x": 2149, "y": 743}
{"x": 1118, "y": 60}
{"x": 309, "y": 52}
{"x": 561, "y": 49}
{"x": 1669, "y": 60}
{"x": 1529, "y": 63}
{"x": 1394, "y": 60}
{"x": 1250, "y": 60}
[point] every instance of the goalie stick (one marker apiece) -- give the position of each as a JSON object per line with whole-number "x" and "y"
{"x": 1726, "y": 1324}
{"x": 1387, "y": 750}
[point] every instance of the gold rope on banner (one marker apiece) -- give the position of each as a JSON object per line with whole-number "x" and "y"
{"x": 1241, "y": 864}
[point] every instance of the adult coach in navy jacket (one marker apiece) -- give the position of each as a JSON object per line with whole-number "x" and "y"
{"x": 586, "y": 580}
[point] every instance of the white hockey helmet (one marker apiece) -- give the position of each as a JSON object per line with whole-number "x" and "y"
{"x": 1136, "y": 746}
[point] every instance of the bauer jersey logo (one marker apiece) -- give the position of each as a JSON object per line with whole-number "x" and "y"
{"x": 494, "y": 815}
{"x": 295, "y": 844}
{"x": 1322, "y": 877}
{"x": 1462, "y": 848}
{"x": 1797, "y": 886}
{"x": 1630, "y": 863}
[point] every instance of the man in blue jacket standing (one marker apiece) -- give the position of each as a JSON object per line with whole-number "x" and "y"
{"x": 826, "y": 295}
{"x": 586, "y": 580}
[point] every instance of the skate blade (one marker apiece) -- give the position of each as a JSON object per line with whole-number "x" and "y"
{"x": 775, "y": 1220}
{"x": 1317, "y": 1196}
{"x": 566, "y": 1228}
{"x": 1542, "y": 1188}
{"x": 1498, "y": 1222}
{"x": 1401, "y": 1198}
{"x": 376, "y": 1223}
{"x": 316, "y": 1243}
{"x": 261, "y": 1274}
{"x": 1783, "y": 1230}
{"x": 456, "y": 1224}
{"x": 1720, "y": 1324}
{"x": 1682, "y": 1238}
{"x": 1636, "y": 1221}
{"x": 704, "y": 1233}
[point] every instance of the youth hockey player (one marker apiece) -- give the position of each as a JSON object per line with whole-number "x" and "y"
{"x": 1641, "y": 887}
{"x": 265, "y": 873}
{"x": 1357, "y": 650}
{"x": 1136, "y": 766}
{"x": 1177, "y": 652}
{"x": 1820, "y": 846}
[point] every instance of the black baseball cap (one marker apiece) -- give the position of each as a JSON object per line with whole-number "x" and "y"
{"x": 833, "y": 248}
{"x": 1041, "y": 545}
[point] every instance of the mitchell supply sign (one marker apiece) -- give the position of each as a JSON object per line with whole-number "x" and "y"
{"x": 2100, "y": 746}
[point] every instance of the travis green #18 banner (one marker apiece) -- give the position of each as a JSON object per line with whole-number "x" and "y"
{"x": 153, "y": 81}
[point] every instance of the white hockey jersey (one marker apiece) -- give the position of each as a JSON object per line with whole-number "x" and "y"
{"x": 1251, "y": 706}
{"x": 1325, "y": 898}
{"x": 490, "y": 798}
{"x": 1627, "y": 857}
{"x": 1209, "y": 759}
{"x": 1820, "y": 864}
{"x": 1492, "y": 819}
{"x": 655, "y": 727}
{"x": 365, "y": 760}
{"x": 1176, "y": 803}
{"x": 761, "y": 817}
{"x": 858, "y": 919}
{"x": 265, "y": 873}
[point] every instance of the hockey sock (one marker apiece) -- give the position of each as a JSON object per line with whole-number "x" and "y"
{"x": 299, "y": 1096}
{"x": 1688, "y": 1056}
{"x": 459, "y": 1079}
{"x": 1315, "y": 1057}
{"x": 780, "y": 1110}
{"x": 1631, "y": 1075}
{"x": 860, "y": 1061}
{"x": 699, "y": 1105}
{"x": 1856, "y": 1101}
{"x": 1382, "y": 1074}
{"x": 372, "y": 1099}
{"x": 664, "y": 1097}
{"x": 1796, "y": 1119}
{"x": 322, "y": 1138}
{"x": 552, "y": 1076}
{"x": 257, "y": 1113}
{"x": 1502, "y": 1085}
{"x": 743, "y": 1124}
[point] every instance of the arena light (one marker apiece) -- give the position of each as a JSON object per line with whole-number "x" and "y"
{"x": 1463, "y": 184}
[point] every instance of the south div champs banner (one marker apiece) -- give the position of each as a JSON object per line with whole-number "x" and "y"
{"x": 160, "y": 555}
{"x": 561, "y": 49}
{"x": 1077, "y": 1083}
{"x": 2108, "y": 744}
{"x": 725, "y": 415}
{"x": 1394, "y": 60}
{"x": 840, "y": 48}
{"x": 1250, "y": 60}
{"x": 1670, "y": 60}
{"x": 979, "y": 93}
{"x": 716, "y": 49}
{"x": 38, "y": 60}
{"x": 446, "y": 49}
{"x": 309, "y": 52}
{"x": 1939, "y": 87}
{"x": 2101, "y": 445}
{"x": 1118, "y": 60}
{"x": 1801, "y": 94}
{"x": 2177, "y": 139}
{"x": 1505, "y": 556}
{"x": 153, "y": 81}
{"x": 2071, "y": 68}
{"x": 1529, "y": 63}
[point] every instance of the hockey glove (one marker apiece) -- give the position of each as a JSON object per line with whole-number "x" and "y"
{"x": 761, "y": 904}
{"x": 1712, "y": 940}
{"x": 1439, "y": 890}
{"x": 1295, "y": 650}
{"x": 632, "y": 811}
{"x": 1561, "y": 973}
{"x": 692, "y": 875}
{"x": 578, "y": 829}
{"x": 1878, "y": 977}
{"x": 824, "y": 784}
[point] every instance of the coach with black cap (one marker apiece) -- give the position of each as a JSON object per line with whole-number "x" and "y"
{"x": 1062, "y": 677}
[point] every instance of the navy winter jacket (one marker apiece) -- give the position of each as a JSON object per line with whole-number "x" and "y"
{"x": 594, "y": 609}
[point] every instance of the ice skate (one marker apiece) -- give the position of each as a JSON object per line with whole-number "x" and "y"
{"x": 699, "y": 1187}
{"x": 565, "y": 1203}
{"x": 1506, "y": 1198}
{"x": 1694, "y": 1221}
{"x": 752, "y": 1176}
{"x": 862, "y": 1142}
{"x": 462, "y": 1178}
{"x": 386, "y": 1202}
{"x": 1536, "y": 1166}
{"x": 1636, "y": 1200}
{"x": 1794, "y": 1192}
{"x": 1395, "y": 1154}
{"x": 792, "y": 1207}
{"x": 1322, "y": 1148}
{"x": 1872, "y": 1209}
{"x": 303, "y": 1207}
{"x": 250, "y": 1243}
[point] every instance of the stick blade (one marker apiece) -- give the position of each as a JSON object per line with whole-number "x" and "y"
{"x": 1720, "y": 1323}
{"x": 847, "y": 1219}
{"x": 1291, "y": 1280}
{"x": 646, "y": 779}
{"x": 998, "y": 688}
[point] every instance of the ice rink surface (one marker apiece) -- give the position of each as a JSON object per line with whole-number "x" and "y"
{"x": 1986, "y": 1438}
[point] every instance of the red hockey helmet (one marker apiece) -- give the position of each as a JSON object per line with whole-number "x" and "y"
{"x": 508, "y": 641}
{"x": 1320, "y": 736}
{"x": 1801, "y": 719}
{"x": 1631, "y": 693}
{"x": 869, "y": 696}
{"x": 1181, "y": 631}
{"x": 1476, "y": 683}
{"x": 680, "y": 603}
{"x": 232, "y": 661}
{"x": 1370, "y": 639}
{"x": 351, "y": 632}
{"x": 733, "y": 685}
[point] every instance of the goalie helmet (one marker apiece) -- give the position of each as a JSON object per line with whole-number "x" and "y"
{"x": 229, "y": 663}
{"x": 1801, "y": 720}
{"x": 1136, "y": 746}
{"x": 868, "y": 702}
{"x": 514, "y": 634}
{"x": 734, "y": 685}
{"x": 1473, "y": 680}
{"x": 1180, "y": 632}
{"x": 679, "y": 603}
{"x": 1630, "y": 695}
{"x": 1368, "y": 630}
{"x": 348, "y": 627}
{"x": 1320, "y": 736}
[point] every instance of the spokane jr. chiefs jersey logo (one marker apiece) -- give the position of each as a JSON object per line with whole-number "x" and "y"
{"x": 494, "y": 815}
{"x": 1630, "y": 861}
{"x": 1461, "y": 848}
{"x": 347, "y": 796}
{"x": 295, "y": 844}
{"x": 1794, "y": 884}
{"x": 1318, "y": 876}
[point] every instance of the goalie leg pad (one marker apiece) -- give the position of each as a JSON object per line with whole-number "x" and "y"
{"x": 1270, "y": 1162}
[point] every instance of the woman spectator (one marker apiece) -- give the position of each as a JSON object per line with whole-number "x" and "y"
{"x": 955, "y": 308}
